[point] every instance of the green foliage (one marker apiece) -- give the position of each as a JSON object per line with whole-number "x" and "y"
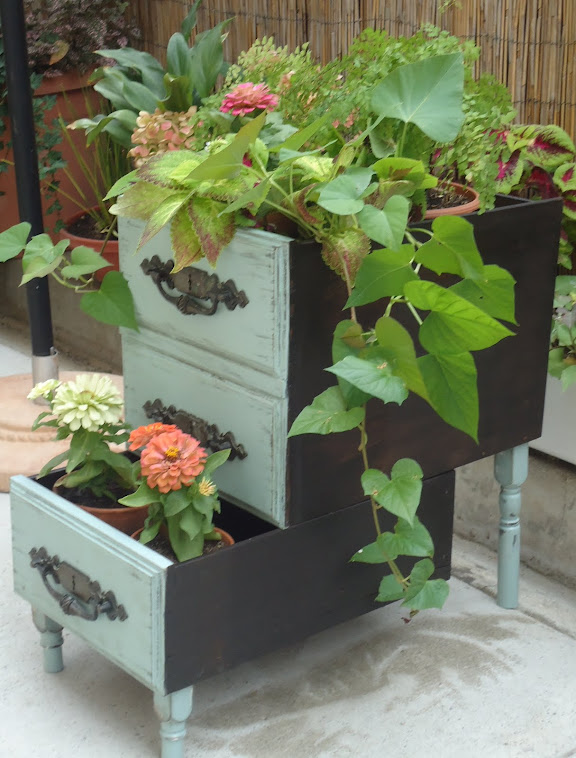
{"x": 140, "y": 83}
{"x": 562, "y": 356}
{"x": 187, "y": 512}
{"x": 427, "y": 93}
{"x": 112, "y": 303}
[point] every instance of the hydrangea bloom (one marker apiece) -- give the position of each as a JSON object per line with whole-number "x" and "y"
{"x": 172, "y": 459}
{"x": 162, "y": 131}
{"x": 142, "y": 436}
{"x": 246, "y": 98}
{"x": 88, "y": 402}
{"x": 43, "y": 389}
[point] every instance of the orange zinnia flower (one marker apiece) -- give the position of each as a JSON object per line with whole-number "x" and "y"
{"x": 142, "y": 436}
{"x": 172, "y": 459}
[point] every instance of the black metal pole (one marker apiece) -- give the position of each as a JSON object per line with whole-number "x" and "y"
{"x": 26, "y": 162}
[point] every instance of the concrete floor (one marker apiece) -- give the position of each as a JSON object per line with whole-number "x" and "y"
{"x": 471, "y": 680}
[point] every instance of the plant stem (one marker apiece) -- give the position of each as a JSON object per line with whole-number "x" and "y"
{"x": 414, "y": 312}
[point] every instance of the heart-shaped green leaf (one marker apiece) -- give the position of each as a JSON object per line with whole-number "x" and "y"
{"x": 83, "y": 261}
{"x": 389, "y": 590}
{"x": 427, "y": 93}
{"x": 348, "y": 340}
{"x": 455, "y": 325}
{"x": 383, "y": 273}
{"x": 387, "y": 226}
{"x": 425, "y": 593}
{"x": 327, "y": 414}
{"x": 451, "y": 384}
{"x": 343, "y": 195}
{"x": 400, "y": 494}
{"x": 397, "y": 347}
{"x": 13, "y": 241}
{"x": 112, "y": 303}
{"x": 493, "y": 292}
{"x": 453, "y": 249}
{"x": 373, "y": 377}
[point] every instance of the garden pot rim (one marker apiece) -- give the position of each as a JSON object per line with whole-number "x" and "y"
{"x": 471, "y": 205}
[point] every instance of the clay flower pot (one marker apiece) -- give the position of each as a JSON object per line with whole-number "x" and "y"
{"x": 470, "y": 203}
{"x": 124, "y": 518}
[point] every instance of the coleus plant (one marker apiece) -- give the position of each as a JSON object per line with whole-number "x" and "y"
{"x": 347, "y": 206}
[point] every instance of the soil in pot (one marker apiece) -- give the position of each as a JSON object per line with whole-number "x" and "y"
{"x": 125, "y": 518}
{"x": 161, "y": 544}
{"x": 451, "y": 199}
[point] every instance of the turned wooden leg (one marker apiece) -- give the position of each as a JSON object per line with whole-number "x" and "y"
{"x": 173, "y": 710}
{"x": 510, "y": 470}
{"x": 51, "y": 641}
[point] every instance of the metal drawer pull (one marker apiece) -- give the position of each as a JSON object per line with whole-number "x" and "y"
{"x": 208, "y": 434}
{"x": 194, "y": 285}
{"x": 81, "y": 597}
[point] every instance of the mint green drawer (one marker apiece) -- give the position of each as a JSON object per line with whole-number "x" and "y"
{"x": 133, "y": 573}
{"x": 255, "y": 335}
{"x": 257, "y": 420}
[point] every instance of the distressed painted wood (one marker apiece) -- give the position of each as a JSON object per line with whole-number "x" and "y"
{"x": 257, "y": 420}
{"x": 187, "y": 621}
{"x": 510, "y": 470}
{"x": 50, "y": 641}
{"x": 173, "y": 710}
{"x": 322, "y": 474}
{"x": 119, "y": 564}
{"x": 256, "y": 335}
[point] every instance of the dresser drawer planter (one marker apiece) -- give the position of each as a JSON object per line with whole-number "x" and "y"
{"x": 171, "y": 625}
{"x": 276, "y": 343}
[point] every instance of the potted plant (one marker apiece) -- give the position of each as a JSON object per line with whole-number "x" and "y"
{"x": 62, "y": 36}
{"x": 175, "y": 483}
{"x": 88, "y": 411}
{"x": 343, "y": 201}
{"x": 236, "y": 357}
{"x": 92, "y": 225}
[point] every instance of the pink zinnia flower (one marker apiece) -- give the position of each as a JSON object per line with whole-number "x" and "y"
{"x": 172, "y": 459}
{"x": 248, "y": 97}
{"x": 142, "y": 436}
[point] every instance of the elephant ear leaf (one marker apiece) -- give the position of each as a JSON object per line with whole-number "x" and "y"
{"x": 428, "y": 93}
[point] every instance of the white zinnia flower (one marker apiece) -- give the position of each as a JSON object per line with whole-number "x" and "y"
{"x": 88, "y": 402}
{"x": 43, "y": 389}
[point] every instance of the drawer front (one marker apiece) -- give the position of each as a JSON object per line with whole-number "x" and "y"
{"x": 81, "y": 549}
{"x": 252, "y": 422}
{"x": 254, "y": 333}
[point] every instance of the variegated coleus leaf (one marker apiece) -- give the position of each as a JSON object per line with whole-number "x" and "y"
{"x": 185, "y": 243}
{"x": 542, "y": 182}
{"x": 565, "y": 177}
{"x": 214, "y": 231}
{"x": 545, "y": 146}
{"x": 140, "y": 200}
{"x": 509, "y": 172}
{"x": 344, "y": 252}
{"x": 170, "y": 169}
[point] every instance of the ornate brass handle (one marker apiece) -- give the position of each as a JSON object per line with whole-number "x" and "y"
{"x": 194, "y": 286}
{"x": 208, "y": 434}
{"x": 81, "y": 596}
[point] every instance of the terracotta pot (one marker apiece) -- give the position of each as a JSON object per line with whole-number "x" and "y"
{"x": 470, "y": 203}
{"x": 226, "y": 538}
{"x": 110, "y": 251}
{"x": 125, "y": 518}
{"x": 72, "y": 93}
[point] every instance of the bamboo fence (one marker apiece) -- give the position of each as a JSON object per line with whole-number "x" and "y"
{"x": 528, "y": 44}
